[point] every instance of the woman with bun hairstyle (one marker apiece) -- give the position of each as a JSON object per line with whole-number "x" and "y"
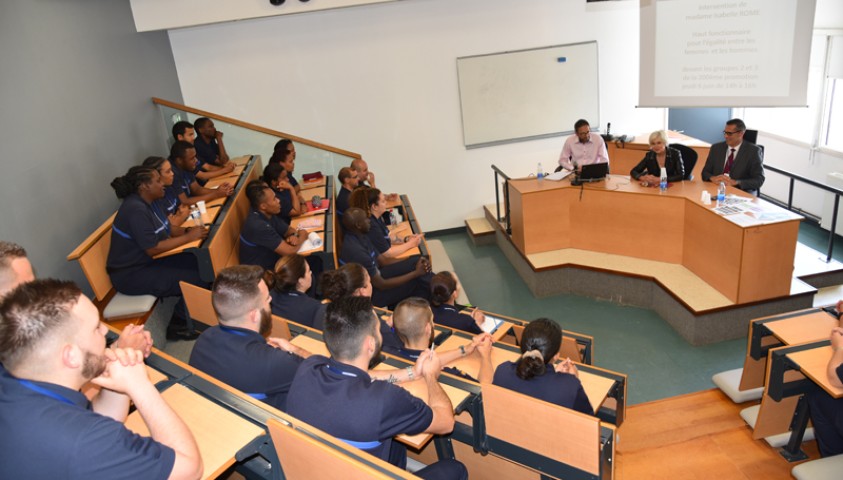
{"x": 140, "y": 231}
{"x": 534, "y": 373}
{"x": 293, "y": 279}
{"x": 443, "y": 301}
{"x": 171, "y": 204}
{"x": 352, "y": 280}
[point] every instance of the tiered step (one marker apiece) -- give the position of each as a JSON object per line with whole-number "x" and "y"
{"x": 480, "y": 231}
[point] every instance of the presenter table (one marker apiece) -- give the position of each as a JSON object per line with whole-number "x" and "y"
{"x": 624, "y": 156}
{"x": 747, "y": 257}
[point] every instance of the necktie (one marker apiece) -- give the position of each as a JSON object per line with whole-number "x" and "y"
{"x": 729, "y": 161}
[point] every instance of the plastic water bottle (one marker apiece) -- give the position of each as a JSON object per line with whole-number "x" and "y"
{"x": 196, "y": 215}
{"x": 663, "y": 180}
{"x": 721, "y": 194}
{"x": 539, "y": 172}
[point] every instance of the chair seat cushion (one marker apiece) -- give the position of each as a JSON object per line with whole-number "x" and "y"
{"x": 750, "y": 415}
{"x": 729, "y": 381}
{"x": 828, "y": 468}
{"x": 127, "y": 305}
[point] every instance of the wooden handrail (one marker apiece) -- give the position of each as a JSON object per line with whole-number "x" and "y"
{"x": 257, "y": 128}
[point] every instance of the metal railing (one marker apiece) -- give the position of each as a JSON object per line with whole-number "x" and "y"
{"x": 789, "y": 205}
{"x": 505, "y": 198}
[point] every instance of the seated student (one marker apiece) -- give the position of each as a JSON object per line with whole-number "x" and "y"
{"x": 827, "y": 411}
{"x": 352, "y": 280}
{"x": 140, "y": 231}
{"x": 648, "y": 170}
{"x": 293, "y": 278}
{"x": 338, "y": 396}
{"x": 209, "y": 145}
{"x": 52, "y": 343}
{"x": 373, "y": 202}
{"x": 365, "y": 178}
{"x": 393, "y": 280}
{"x": 14, "y": 267}
{"x": 239, "y": 350}
{"x": 170, "y": 204}
{"x": 276, "y": 177}
{"x": 265, "y": 237}
{"x": 534, "y": 374}
{"x": 443, "y": 299}
{"x": 285, "y": 155}
{"x": 183, "y": 158}
{"x": 204, "y": 171}
{"x": 413, "y": 322}
{"x": 348, "y": 182}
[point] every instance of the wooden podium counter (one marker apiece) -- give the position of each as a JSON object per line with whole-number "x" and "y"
{"x": 744, "y": 263}
{"x": 623, "y": 157}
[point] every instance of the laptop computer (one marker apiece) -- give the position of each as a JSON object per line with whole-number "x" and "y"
{"x": 591, "y": 173}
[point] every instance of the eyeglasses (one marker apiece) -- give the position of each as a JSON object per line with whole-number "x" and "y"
{"x": 729, "y": 134}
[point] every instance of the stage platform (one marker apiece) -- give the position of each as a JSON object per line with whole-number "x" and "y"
{"x": 697, "y": 311}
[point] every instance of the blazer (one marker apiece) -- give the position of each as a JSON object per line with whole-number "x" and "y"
{"x": 747, "y": 169}
{"x": 672, "y": 163}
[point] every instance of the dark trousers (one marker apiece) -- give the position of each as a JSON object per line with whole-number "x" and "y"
{"x": 446, "y": 469}
{"x": 161, "y": 278}
{"x": 827, "y": 417}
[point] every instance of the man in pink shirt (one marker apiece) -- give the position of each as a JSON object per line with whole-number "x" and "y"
{"x": 584, "y": 148}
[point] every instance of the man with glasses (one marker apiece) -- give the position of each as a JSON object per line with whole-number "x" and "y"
{"x": 584, "y": 148}
{"x": 735, "y": 162}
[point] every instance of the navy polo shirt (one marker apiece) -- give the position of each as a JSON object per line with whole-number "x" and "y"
{"x": 357, "y": 248}
{"x": 243, "y": 359}
{"x": 49, "y": 431}
{"x": 182, "y": 180}
{"x": 259, "y": 239}
{"x": 170, "y": 203}
{"x": 137, "y": 227}
{"x": 295, "y": 306}
{"x": 343, "y": 401}
{"x": 292, "y": 180}
{"x": 206, "y": 152}
{"x": 562, "y": 389}
{"x": 342, "y": 200}
{"x": 450, "y": 316}
{"x": 286, "y": 200}
{"x": 379, "y": 234}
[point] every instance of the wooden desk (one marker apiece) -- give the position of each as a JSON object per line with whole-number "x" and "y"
{"x": 218, "y": 432}
{"x": 311, "y": 223}
{"x": 793, "y": 328}
{"x": 622, "y": 158}
{"x": 813, "y": 363}
{"x": 617, "y": 216}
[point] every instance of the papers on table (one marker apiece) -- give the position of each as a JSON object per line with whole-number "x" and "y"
{"x": 313, "y": 242}
{"x": 491, "y": 324}
{"x": 746, "y": 213}
{"x": 556, "y": 176}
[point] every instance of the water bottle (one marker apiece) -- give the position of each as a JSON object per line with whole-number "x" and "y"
{"x": 539, "y": 172}
{"x": 196, "y": 215}
{"x": 721, "y": 194}
{"x": 663, "y": 180}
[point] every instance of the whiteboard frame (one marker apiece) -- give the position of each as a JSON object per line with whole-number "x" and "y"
{"x": 593, "y": 119}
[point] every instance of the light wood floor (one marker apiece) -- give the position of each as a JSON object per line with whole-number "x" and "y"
{"x": 696, "y": 436}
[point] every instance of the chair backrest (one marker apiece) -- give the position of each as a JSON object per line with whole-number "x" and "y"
{"x": 558, "y": 433}
{"x": 307, "y": 453}
{"x": 200, "y": 308}
{"x": 751, "y": 136}
{"x": 92, "y": 255}
{"x": 689, "y": 158}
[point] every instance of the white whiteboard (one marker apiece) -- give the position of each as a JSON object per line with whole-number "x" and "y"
{"x": 527, "y": 94}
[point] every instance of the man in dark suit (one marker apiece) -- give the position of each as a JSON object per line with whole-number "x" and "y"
{"x": 735, "y": 162}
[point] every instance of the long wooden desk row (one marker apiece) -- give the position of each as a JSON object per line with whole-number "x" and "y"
{"x": 787, "y": 354}
{"x": 495, "y": 432}
{"x": 605, "y": 390}
{"x": 231, "y": 430}
{"x": 621, "y": 217}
